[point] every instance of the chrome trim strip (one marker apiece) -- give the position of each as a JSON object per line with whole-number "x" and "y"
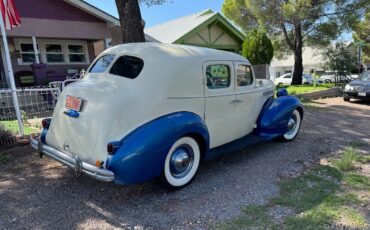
{"x": 73, "y": 163}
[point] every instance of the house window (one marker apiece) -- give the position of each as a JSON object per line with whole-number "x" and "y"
{"x": 218, "y": 76}
{"x": 76, "y": 53}
{"x": 287, "y": 71}
{"x": 54, "y": 53}
{"x": 27, "y": 53}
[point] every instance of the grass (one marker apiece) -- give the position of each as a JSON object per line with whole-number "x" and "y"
{"x": 12, "y": 126}
{"x": 347, "y": 161}
{"x": 300, "y": 89}
{"x": 324, "y": 197}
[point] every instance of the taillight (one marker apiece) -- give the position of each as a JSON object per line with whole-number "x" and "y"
{"x": 46, "y": 123}
{"x": 112, "y": 147}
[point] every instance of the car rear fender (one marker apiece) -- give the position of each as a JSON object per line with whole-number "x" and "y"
{"x": 141, "y": 154}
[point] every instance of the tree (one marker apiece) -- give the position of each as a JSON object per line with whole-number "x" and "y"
{"x": 132, "y": 24}
{"x": 338, "y": 57}
{"x": 297, "y": 22}
{"x": 362, "y": 34}
{"x": 257, "y": 47}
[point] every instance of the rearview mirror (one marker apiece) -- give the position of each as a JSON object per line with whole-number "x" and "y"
{"x": 259, "y": 83}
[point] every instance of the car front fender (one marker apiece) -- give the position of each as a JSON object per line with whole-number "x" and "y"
{"x": 275, "y": 114}
{"x": 141, "y": 155}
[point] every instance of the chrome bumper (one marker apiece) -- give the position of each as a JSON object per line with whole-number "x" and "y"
{"x": 73, "y": 162}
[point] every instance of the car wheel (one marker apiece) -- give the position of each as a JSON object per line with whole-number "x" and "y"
{"x": 306, "y": 83}
{"x": 327, "y": 81}
{"x": 280, "y": 85}
{"x": 182, "y": 163}
{"x": 294, "y": 124}
{"x": 346, "y": 99}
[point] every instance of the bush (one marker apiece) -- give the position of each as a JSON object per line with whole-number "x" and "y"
{"x": 258, "y": 48}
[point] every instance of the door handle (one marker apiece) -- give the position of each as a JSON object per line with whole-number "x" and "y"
{"x": 236, "y": 101}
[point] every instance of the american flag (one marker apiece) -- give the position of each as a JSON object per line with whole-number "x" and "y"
{"x": 10, "y": 14}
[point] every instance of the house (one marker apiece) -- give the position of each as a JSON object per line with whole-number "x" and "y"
{"x": 65, "y": 35}
{"x": 312, "y": 60}
{"x": 205, "y": 29}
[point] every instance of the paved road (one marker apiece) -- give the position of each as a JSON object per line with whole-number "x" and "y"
{"x": 41, "y": 194}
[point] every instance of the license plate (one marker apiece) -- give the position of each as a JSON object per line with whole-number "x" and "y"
{"x": 362, "y": 94}
{"x": 73, "y": 103}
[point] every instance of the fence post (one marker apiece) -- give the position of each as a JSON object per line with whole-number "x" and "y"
{"x": 11, "y": 75}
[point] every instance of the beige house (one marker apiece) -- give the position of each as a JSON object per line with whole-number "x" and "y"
{"x": 312, "y": 60}
{"x": 205, "y": 29}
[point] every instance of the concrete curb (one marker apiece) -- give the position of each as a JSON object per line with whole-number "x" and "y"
{"x": 332, "y": 92}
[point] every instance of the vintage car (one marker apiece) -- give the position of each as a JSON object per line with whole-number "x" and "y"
{"x": 147, "y": 110}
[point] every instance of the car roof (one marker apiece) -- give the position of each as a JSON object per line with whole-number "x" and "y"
{"x": 169, "y": 51}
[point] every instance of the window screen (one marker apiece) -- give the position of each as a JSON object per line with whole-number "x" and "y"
{"x": 244, "y": 75}
{"x": 127, "y": 66}
{"x": 218, "y": 76}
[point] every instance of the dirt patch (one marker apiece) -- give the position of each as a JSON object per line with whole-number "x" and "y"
{"x": 43, "y": 194}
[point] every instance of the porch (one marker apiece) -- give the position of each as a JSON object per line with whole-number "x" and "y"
{"x": 39, "y": 61}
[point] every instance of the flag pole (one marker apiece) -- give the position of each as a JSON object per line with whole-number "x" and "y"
{"x": 11, "y": 75}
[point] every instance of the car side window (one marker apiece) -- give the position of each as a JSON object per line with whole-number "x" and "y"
{"x": 288, "y": 76}
{"x": 101, "y": 65}
{"x": 127, "y": 66}
{"x": 244, "y": 75}
{"x": 218, "y": 76}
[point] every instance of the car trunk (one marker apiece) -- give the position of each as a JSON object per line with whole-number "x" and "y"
{"x": 82, "y": 136}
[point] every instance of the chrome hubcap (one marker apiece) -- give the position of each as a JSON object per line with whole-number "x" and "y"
{"x": 292, "y": 123}
{"x": 181, "y": 162}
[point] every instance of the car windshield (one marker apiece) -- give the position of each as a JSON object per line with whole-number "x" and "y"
{"x": 364, "y": 76}
{"x": 102, "y": 64}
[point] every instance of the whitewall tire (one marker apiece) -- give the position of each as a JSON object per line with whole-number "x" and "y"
{"x": 294, "y": 124}
{"x": 182, "y": 163}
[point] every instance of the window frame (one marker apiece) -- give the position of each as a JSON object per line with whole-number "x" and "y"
{"x": 231, "y": 75}
{"x": 46, "y": 53}
{"x": 69, "y": 53}
{"x": 22, "y": 52}
{"x": 41, "y": 43}
{"x": 236, "y": 75}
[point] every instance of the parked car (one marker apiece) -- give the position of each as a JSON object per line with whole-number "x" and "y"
{"x": 359, "y": 88}
{"x": 330, "y": 77}
{"x": 149, "y": 110}
{"x": 286, "y": 79}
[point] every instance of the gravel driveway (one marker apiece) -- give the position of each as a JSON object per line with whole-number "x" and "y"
{"x": 41, "y": 194}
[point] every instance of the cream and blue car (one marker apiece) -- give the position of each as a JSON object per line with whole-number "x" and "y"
{"x": 149, "y": 110}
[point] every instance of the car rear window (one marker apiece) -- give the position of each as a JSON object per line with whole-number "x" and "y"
{"x": 127, "y": 66}
{"x": 101, "y": 65}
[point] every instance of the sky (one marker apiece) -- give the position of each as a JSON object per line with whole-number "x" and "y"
{"x": 172, "y": 9}
{"x": 154, "y": 15}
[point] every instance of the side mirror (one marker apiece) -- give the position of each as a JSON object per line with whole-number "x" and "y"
{"x": 259, "y": 83}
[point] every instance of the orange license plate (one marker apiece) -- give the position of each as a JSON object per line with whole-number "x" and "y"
{"x": 73, "y": 103}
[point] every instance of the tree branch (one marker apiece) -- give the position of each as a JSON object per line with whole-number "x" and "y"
{"x": 287, "y": 39}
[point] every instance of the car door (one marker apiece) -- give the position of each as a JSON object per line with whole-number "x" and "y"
{"x": 246, "y": 92}
{"x": 219, "y": 101}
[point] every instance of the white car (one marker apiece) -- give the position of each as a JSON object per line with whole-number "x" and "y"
{"x": 286, "y": 79}
{"x": 151, "y": 110}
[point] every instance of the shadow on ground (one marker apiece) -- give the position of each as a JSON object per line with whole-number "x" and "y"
{"x": 44, "y": 194}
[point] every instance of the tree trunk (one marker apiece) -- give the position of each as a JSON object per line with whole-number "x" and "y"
{"x": 298, "y": 61}
{"x": 131, "y": 22}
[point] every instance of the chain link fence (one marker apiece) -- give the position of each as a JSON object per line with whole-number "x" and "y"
{"x": 35, "y": 104}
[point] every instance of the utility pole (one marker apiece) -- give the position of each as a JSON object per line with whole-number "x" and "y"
{"x": 360, "y": 44}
